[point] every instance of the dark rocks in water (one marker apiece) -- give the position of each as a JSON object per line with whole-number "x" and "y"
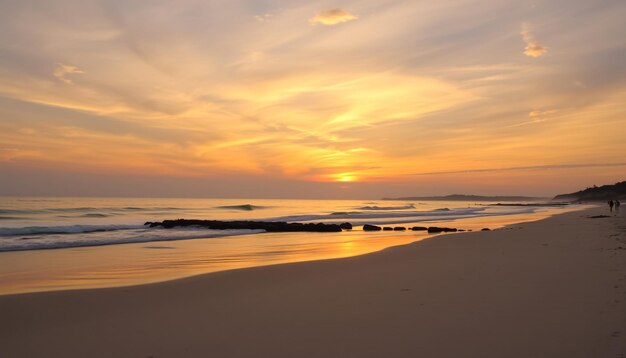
{"x": 434, "y": 229}
{"x": 399, "y": 228}
{"x": 387, "y": 228}
{"x": 419, "y": 228}
{"x": 485, "y": 229}
{"x": 346, "y": 226}
{"x": 269, "y": 226}
{"x": 461, "y": 230}
{"x": 368, "y": 227}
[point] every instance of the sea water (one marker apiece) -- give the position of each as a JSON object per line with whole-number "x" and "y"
{"x": 103, "y": 242}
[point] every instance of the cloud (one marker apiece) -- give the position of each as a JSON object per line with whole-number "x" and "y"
{"x": 332, "y": 17}
{"x": 61, "y": 71}
{"x": 533, "y": 47}
{"x": 263, "y": 17}
{"x": 535, "y": 167}
{"x": 535, "y": 117}
{"x": 541, "y": 114}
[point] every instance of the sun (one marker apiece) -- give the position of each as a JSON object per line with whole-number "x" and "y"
{"x": 345, "y": 177}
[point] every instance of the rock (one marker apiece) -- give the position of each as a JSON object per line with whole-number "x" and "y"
{"x": 419, "y": 228}
{"x": 368, "y": 227}
{"x": 485, "y": 229}
{"x": 387, "y": 228}
{"x": 269, "y": 226}
{"x": 346, "y": 226}
{"x": 399, "y": 228}
{"x": 434, "y": 229}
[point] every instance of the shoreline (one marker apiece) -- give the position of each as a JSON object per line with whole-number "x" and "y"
{"x": 548, "y": 288}
{"x": 131, "y": 264}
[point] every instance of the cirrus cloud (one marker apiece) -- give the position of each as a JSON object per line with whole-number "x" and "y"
{"x": 62, "y": 70}
{"x": 533, "y": 47}
{"x": 332, "y": 17}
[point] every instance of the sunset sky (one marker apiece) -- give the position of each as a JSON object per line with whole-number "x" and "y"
{"x": 345, "y": 99}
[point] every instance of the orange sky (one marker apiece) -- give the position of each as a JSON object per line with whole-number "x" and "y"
{"x": 312, "y": 99}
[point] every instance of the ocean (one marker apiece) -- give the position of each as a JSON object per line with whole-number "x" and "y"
{"x": 103, "y": 242}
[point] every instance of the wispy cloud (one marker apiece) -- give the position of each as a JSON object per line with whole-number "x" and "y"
{"x": 533, "y": 47}
{"x": 183, "y": 87}
{"x": 62, "y": 70}
{"x": 535, "y": 117}
{"x": 332, "y": 17}
{"x": 263, "y": 17}
{"x": 534, "y": 167}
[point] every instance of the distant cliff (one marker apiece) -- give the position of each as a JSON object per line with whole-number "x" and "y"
{"x": 616, "y": 191}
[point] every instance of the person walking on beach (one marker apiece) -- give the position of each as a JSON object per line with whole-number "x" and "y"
{"x": 611, "y": 205}
{"x": 617, "y": 204}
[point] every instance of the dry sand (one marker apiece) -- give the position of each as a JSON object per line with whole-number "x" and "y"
{"x": 552, "y": 288}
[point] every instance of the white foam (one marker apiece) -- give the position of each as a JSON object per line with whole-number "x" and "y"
{"x": 50, "y": 241}
{"x": 68, "y": 229}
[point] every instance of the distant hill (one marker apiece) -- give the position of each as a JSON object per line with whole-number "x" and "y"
{"x": 463, "y": 197}
{"x": 616, "y": 191}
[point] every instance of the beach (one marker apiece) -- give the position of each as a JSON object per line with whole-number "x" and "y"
{"x": 550, "y": 288}
{"x": 57, "y": 244}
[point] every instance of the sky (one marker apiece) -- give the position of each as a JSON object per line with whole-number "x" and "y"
{"x": 301, "y": 99}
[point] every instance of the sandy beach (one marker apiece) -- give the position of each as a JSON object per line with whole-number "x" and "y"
{"x": 551, "y": 288}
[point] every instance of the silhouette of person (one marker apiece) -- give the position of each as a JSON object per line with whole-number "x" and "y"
{"x": 611, "y": 205}
{"x": 617, "y": 204}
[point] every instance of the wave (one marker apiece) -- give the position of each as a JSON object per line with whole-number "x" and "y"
{"x": 11, "y": 211}
{"x": 245, "y": 207}
{"x": 383, "y": 214}
{"x": 337, "y": 213}
{"x": 132, "y": 236}
{"x": 88, "y": 210}
{"x": 374, "y": 207}
{"x": 95, "y": 215}
{"x": 396, "y": 217}
{"x": 70, "y": 229}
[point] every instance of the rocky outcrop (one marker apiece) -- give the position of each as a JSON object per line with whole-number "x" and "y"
{"x": 435, "y": 229}
{"x": 346, "y": 226}
{"x": 269, "y": 226}
{"x": 368, "y": 227}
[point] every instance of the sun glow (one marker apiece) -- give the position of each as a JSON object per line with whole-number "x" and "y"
{"x": 310, "y": 96}
{"x": 345, "y": 178}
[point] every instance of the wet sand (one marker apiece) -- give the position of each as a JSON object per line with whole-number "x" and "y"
{"x": 551, "y": 288}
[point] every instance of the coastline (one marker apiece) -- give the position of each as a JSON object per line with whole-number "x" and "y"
{"x": 131, "y": 264}
{"x": 549, "y": 288}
